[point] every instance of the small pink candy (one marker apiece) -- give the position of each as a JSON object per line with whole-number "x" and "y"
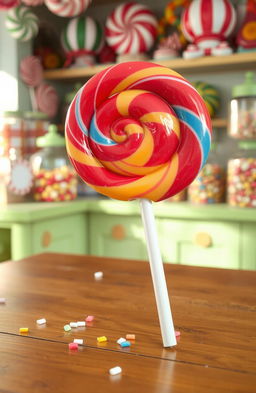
{"x": 177, "y": 333}
{"x": 73, "y": 346}
{"x": 90, "y": 318}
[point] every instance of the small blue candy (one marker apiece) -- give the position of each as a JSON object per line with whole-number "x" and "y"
{"x": 125, "y": 344}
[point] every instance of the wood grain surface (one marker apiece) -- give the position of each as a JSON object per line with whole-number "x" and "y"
{"x": 32, "y": 366}
{"x": 213, "y": 308}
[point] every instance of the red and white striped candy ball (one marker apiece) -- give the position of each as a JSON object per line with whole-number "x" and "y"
{"x": 6, "y": 4}
{"x": 47, "y": 99}
{"x": 131, "y": 28}
{"x": 67, "y": 8}
{"x": 33, "y": 3}
{"x": 208, "y": 19}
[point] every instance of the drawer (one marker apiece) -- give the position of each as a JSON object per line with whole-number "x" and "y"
{"x": 5, "y": 244}
{"x": 200, "y": 243}
{"x": 63, "y": 234}
{"x": 117, "y": 236}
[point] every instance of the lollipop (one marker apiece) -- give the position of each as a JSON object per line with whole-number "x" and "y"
{"x": 6, "y": 4}
{"x": 31, "y": 70}
{"x": 21, "y": 23}
{"x": 131, "y": 28}
{"x": 140, "y": 130}
{"x": 47, "y": 99}
{"x": 67, "y": 8}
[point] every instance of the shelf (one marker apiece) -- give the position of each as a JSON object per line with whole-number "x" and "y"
{"x": 237, "y": 61}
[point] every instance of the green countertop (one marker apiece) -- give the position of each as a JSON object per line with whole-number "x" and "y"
{"x": 34, "y": 211}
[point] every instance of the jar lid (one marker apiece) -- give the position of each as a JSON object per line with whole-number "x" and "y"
{"x": 16, "y": 114}
{"x": 247, "y": 145}
{"x": 248, "y": 88}
{"x": 71, "y": 95}
{"x": 51, "y": 139}
{"x": 35, "y": 115}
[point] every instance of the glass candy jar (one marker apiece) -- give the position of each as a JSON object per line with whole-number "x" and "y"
{"x": 242, "y": 176}
{"x": 209, "y": 186}
{"x": 242, "y": 123}
{"x": 54, "y": 177}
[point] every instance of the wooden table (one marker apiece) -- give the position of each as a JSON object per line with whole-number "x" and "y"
{"x": 215, "y": 310}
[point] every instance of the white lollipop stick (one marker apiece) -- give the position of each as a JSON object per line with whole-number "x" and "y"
{"x": 158, "y": 276}
{"x": 33, "y": 99}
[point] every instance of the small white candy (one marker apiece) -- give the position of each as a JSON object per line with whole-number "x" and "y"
{"x": 78, "y": 341}
{"x": 121, "y": 340}
{"x": 81, "y": 323}
{"x": 98, "y": 275}
{"x": 73, "y": 324}
{"x": 2, "y": 300}
{"x": 115, "y": 370}
{"x": 41, "y": 321}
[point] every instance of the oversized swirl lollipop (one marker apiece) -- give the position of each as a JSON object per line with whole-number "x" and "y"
{"x": 21, "y": 23}
{"x": 140, "y": 130}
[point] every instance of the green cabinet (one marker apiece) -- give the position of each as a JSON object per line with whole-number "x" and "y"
{"x": 200, "y": 243}
{"x": 212, "y": 236}
{"x": 116, "y": 236}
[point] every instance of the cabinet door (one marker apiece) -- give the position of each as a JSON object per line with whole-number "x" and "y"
{"x": 117, "y": 236}
{"x": 248, "y": 246}
{"x": 5, "y": 244}
{"x": 199, "y": 243}
{"x": 63, "y": 234}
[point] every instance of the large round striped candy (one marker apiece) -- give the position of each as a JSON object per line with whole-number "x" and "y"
{"x": 138, "y": 130}
{"x": 131, "y": 28}
{"x": 67, "y": 8}
{"x": 207, "y": 22}
{"x": 21, "y": 23}
{"x": 82, "y": 35}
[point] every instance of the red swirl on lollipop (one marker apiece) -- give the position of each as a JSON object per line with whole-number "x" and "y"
{"x": 47, "y": 99}
{"x": 31, "y": 71}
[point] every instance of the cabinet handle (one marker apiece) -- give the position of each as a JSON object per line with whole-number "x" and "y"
{"x": 203, "y": 239}
{"x": 118, "y": 232}
{"x": 46, "y": 239}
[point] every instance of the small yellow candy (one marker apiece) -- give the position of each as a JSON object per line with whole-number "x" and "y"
{"x": 102, "y": 339}
{"x": 23, "y": 330}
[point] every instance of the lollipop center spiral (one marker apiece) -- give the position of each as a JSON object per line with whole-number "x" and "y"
{"x": 134, "y": 127}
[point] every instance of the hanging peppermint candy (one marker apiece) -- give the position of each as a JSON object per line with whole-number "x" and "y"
{"x": 21, "y": 23}
{"x": 67, "y": 8}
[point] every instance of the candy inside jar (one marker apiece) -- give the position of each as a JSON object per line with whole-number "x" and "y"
{"x": 209, "y": 186}
{"x": 242, "y": 176}
{"x": 242, "y": 124}
{"x": 54, "y": 177}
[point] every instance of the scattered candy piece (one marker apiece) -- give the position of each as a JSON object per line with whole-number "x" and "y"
{"x": 41, "y": 321}
{"x": 24, "y": 330}
{"x": 73, "y": 346}
{"x": 81, "y": 323}
{"x": 67, "y": 328}
{"x": 130, "y": 336}
{"x": 98, "y": 275}
{"x": 90, "y": 318}
{"x": 115, "y": 370}
{"x": 2, "y": 300}
{"x": 73, "y": 324}
{"x": 102, "y": 339}
{"x": 78, "y": 341}
{"x": 125, "y": 344}
{"x": 177, "y": 333}
{"x": 121, "y": 340}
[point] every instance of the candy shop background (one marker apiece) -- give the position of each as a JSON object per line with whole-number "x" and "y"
{"x": 17, "y": 95}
